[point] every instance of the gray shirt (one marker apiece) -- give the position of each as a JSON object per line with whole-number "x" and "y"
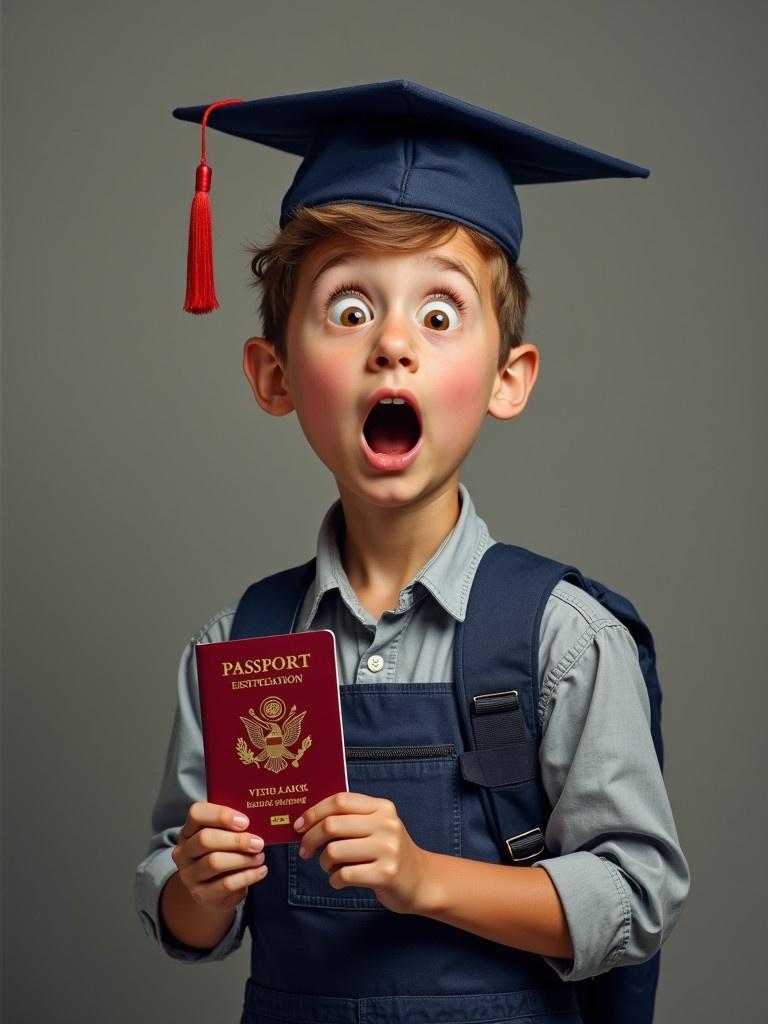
{"x": 616, "y": 859}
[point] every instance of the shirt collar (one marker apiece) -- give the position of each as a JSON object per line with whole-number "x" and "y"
{"x": 447, "y": 575}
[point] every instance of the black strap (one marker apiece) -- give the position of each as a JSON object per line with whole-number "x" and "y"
{"x": 496, "y": 669}
{"x": 498, "y": 719}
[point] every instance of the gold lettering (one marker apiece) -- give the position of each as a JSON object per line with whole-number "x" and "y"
{"x": 259, "y": 666}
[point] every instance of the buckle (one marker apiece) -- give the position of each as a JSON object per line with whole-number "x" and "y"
{"x": 530, "y": 837}
{"x": 496, "y": 704}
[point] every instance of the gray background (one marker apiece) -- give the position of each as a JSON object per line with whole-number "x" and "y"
{"x": 144, "y": 489}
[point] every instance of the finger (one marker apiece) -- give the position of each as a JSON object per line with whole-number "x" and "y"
{"x": 212, "y": 840}
{"x": 202, "y": 814}
{"x": 338, "y": 803}
{"x": 344, "y": 874}
{"x": 346, "y": 851}
{"x": 225, "y": 887}
{"x": 203, "y": 869}
{"x": 230, "y": 883}
{"x": 334, "y": 827}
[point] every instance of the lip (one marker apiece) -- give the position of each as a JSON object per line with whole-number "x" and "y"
{"x": 391, "y": 463}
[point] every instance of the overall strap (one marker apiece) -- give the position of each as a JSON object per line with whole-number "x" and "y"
{"x": 271, "y": 606}
{"x": 496, "y": 668}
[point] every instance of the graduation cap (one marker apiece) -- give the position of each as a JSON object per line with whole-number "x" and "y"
{"x": 396, "y": 144}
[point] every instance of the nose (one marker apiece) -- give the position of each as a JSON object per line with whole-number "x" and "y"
{"x": 393, "y": 346}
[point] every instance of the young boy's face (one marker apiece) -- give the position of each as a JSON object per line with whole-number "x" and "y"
{"x": 366, "y": 325}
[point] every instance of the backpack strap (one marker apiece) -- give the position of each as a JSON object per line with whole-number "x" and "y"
{"x": 496, "y": 670}
{"x": 271, "y": 606}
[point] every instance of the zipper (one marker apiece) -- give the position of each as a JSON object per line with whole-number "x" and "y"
{"x": 397, "y": 753}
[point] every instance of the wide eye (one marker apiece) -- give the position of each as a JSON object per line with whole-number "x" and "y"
{"x": 349, "y": 311}
{"x": 438, "y": 315}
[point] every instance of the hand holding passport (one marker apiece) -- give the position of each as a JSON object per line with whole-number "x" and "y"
{"x": 274, "y": 748}
{"x": 272, "y": 729}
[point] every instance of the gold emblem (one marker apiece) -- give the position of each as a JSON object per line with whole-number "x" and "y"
{"x": 271, "y": 738}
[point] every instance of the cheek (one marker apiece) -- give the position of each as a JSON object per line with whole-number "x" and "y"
{"x": 464, "y": 390}
{"x": 321, "y": 389}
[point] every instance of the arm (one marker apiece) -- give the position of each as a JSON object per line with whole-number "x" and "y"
{"x": 183, "y": 783}
{"x": 614, "y": 854}
{"x": 188, "y": 922}
{"x": 361, "y": 840}
{"x": 516, "y": 906}
{"x": 217, "y": 860}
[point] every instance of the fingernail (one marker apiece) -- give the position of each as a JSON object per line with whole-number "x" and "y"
{"x": 299, "y": 823}
{"x": 302, "y": 853}
{"x": 240, "y": 820}
{"x": 255, "y": 843}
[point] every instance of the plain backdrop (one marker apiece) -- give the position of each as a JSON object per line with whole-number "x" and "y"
{"x": 143, "y": 488}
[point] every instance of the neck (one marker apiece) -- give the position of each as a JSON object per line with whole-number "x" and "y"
{"x": 383, "y": 548}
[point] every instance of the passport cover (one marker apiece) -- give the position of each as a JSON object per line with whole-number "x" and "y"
{"x": 272, "y": 729}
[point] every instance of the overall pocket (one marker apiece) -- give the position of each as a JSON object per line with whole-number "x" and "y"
{"x": 422, "y": 782}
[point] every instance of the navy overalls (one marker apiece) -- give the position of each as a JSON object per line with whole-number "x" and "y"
{"x": 339, "y": 956}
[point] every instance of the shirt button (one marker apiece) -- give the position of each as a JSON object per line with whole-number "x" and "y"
{"x": 375, "y": 663}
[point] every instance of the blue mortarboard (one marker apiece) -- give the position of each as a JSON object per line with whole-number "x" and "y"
{"x": 402, "y": 145}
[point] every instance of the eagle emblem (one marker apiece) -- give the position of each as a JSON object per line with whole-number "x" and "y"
{"x": 273, "y": 733}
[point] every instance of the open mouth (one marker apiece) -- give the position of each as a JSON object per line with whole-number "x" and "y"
{"x": 392, "y": 427}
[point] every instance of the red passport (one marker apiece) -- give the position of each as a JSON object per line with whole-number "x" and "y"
{"x": 272, "y": 730}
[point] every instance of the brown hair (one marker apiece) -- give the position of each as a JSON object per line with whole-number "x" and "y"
{"x": 275, "y": 266}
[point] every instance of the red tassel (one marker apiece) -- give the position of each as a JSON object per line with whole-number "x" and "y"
{"x": 201, "y": 289}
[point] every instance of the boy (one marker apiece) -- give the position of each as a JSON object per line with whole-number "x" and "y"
{"x": 393, "y": 311}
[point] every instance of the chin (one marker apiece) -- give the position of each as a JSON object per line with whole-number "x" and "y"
{"x": 395, "y": 491}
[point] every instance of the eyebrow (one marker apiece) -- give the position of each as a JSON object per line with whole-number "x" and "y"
{"x": 449, "y": 263}
{"x": 330, "y": 263}
{"x": 442, "y": 262}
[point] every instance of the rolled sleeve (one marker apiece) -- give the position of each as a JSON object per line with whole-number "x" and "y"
{"x": 183, "y": 784}
{"x": 616, "y": 859}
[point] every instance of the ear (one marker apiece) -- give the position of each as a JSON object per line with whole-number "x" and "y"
{"x": 514, "y": 382}
{"x": 266, "y": 376}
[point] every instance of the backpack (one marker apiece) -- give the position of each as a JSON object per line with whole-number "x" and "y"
{"x": 497, "y": 681}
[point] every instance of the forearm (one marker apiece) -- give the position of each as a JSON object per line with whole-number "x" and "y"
{"x": 187, "y": 921}
{"x": 516, "y": 906}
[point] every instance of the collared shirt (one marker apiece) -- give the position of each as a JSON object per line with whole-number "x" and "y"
{"x": 615, "y": 861}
